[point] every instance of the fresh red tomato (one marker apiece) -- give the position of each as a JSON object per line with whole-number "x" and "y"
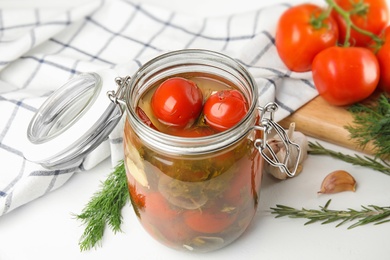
{"x": 383, "y": 56}
{"x": 225, "y": 109}
{"x": 373, "y": 17}
{"x": 298, "y": 39}
{"x": 177, "y": 102}
{"x": 345, "y": 75}
{"x": 207, "y": 221}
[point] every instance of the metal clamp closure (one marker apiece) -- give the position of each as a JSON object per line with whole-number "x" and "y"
{"x": 117, "y": 97}
{"x": 266, "y": 124}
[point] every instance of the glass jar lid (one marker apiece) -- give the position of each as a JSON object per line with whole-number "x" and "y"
{"x": 73, "y": 121}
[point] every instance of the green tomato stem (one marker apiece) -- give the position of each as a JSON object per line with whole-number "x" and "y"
{"x": 318, "y": 22}
{"x": 346, "y": 15}
{"x": 360, "y": 8}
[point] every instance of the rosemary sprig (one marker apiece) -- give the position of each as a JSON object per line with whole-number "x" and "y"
{"x": 104, "y": 208}
{"x": 365, "y": 161}
{"x": 368, "y": 214}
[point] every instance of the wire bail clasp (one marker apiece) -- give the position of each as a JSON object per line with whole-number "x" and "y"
{"x": 267, "y": 124}
{"x": 117, "y": 97}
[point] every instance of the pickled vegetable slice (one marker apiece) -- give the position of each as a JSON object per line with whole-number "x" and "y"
{"x": 135, "y": 165}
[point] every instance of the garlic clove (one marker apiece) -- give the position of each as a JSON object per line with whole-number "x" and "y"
{"x": 338, "y": 181}
{"x": 280, "y": 151}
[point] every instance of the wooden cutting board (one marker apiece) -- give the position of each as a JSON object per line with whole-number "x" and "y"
{"x": 320, "y": 120}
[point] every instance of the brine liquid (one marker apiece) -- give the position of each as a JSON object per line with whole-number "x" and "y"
{"x": 200, "y": 202}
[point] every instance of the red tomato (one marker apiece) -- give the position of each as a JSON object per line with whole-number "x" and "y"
{"x": 345, "y": 75}
{"x": 297, "y": 39}
{"x": 383, "y": 56}
{"x": 161, "y": 221}
{"x": 157, "y": 208}
{"x": 246, "y": 180}
{"x": 240, "y": 186}
{"x": 175, "y": 232}
{"x": 144, "y": 118}
{"x": 137, "y": 199}
{"x": 177, "y": 102}
{"x": 208, "y": 221}
{"x": 373, "y": 19}
{"x": 224, "y": 109}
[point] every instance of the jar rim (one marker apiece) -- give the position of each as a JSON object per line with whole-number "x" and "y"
{"x": 191, "y": 145}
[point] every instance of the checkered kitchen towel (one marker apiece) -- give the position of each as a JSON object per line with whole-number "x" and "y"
{"x": 40, "y": 50}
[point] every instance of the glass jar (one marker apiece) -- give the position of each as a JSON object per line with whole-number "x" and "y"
{"x": 190, "y": 193}
{"x": 194, "y": 193}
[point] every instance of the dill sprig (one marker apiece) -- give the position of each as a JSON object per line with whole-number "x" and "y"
{"x": 365, "y": 161}
{"x": 368, "y": 214}
{"x": 372, "y": 124}
{"x": 104, "y": 208}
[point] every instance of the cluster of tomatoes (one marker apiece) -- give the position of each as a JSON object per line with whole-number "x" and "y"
{"x": 178, "y": 102}
{"x": 346, "y": 46}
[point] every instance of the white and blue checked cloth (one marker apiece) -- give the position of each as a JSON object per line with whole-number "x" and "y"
{"x": 40, "y": 50}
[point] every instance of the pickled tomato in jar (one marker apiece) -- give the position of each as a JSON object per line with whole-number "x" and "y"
{"x": 202, "y": 201}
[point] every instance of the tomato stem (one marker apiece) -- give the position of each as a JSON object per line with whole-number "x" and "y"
{"x": 359, "y": 8}
{"x": 318, "y": 21}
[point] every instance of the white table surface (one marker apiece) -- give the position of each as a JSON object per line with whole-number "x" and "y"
{"x": 45, "y": 228}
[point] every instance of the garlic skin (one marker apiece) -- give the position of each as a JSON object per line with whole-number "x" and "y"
{"x": 338, "y": 181}
{"x": 280, "y": 151}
